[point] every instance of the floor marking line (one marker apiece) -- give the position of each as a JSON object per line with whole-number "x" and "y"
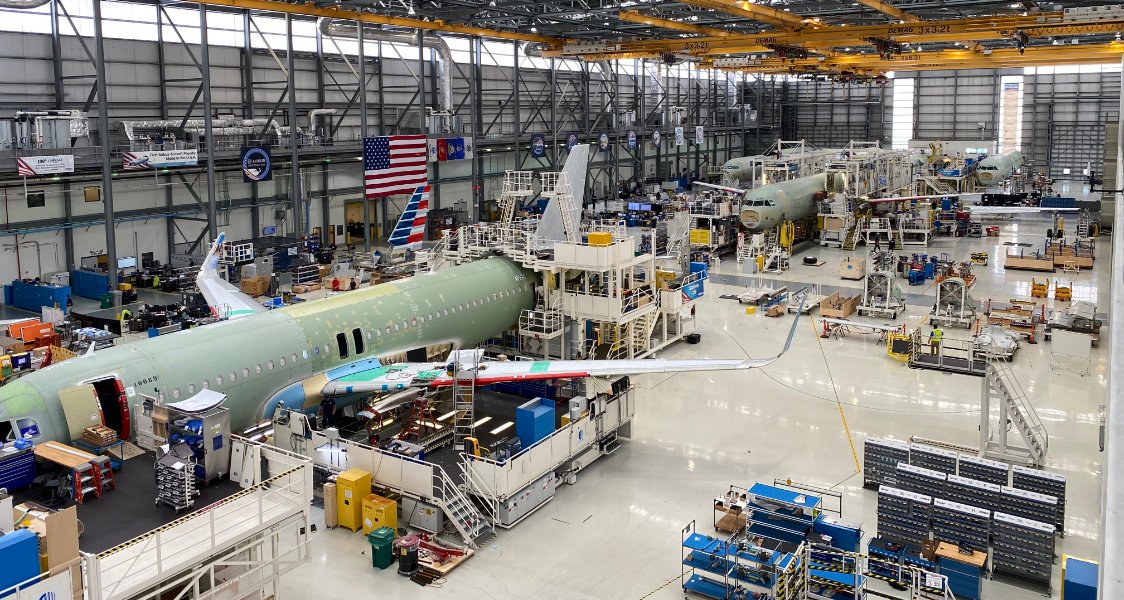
{"x": 838, "y": 402}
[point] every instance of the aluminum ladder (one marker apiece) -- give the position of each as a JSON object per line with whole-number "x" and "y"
{"x": 1002, "y": 389}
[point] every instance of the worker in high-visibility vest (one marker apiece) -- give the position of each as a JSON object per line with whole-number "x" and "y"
{"x": 935, "y": 337}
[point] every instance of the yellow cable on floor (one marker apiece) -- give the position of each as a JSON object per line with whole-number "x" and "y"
{"x": 838, "y": 402}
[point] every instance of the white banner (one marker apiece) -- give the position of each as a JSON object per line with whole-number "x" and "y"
{"x": 698, "y": 135}
{"x": 55, "y": 587}
{"x": 680, "y": 137}
{"x": 32, "y": 166}
{"x": 159, "y": 159}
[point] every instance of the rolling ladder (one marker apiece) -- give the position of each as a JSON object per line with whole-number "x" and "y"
{"x": 1002, "y": 390}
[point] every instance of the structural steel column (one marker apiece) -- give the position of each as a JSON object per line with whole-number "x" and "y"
{"x": 208, "y": 122}
{"x": 106, "y": 149}
{"x": 169, "y": 199}
{"x": 295, "y": 167}
{"x": 363, "y": 128}
{"x": 321, "y": 101}
{"x": 556, "y": 152}
{"x": 477, "y": 126}
{"x": 517, "y": 110}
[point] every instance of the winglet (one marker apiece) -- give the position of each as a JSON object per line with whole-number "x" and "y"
{"x": 792, "y": 330}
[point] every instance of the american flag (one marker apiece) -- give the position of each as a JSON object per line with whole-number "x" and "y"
{"x": 394, "y": 164}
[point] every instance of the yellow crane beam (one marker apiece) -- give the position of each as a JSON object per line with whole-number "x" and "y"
{"x": 633, "y": 16}
{"x": 751, "y": 11}
{"x": 890, "y": 10}
{"x": 937, "y": 60}
{"x": 352, "y": 15}
{"x": 958, "y": 30}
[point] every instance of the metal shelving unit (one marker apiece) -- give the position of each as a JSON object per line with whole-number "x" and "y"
{"x": 972, "y": 492}
{"x": 983, "y": 469}
{"x": 1029, "y": 505}
{"x": 960, "y": 524}
{"x": 931, "y": 457}
{"x": 921, "y": 480}
{"x": 903, "y": 515}
{"x": 306, "y": 273}
{"x": 1022, "y": 548}
{"x": 175, "y": 478}
{"x": 880, "y": 460}
{"x": 1043, "y": 482}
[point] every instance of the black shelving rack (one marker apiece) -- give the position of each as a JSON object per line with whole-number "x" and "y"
{"x": 1029, "y": 505}
{"x": 983, "y": 469}
{"x": 175, "y": 478}
{"x": 963, "y": 525}
{"x": 1022, "y": 548}
{"x": 931, "y": 457}
{"x": 880, "y": 459}
{"x": 1043, "y": 482}
{"x": 903, "y": 515}
{"x": 921, "y": 480}
{"x": 972, "y": 492}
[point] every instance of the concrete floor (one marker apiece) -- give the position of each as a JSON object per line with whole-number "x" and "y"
{"x": 616, "y": 533}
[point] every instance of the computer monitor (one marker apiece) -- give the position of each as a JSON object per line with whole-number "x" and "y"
{"x": 645, "y": 207}
{"x": 127, "y": 262}
{"x": 633, "y": 206}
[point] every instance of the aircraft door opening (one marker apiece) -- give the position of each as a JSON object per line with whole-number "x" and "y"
{"x": 114, "y": 405}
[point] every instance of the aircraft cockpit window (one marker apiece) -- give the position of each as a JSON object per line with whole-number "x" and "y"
{"x": 357, "y": 336}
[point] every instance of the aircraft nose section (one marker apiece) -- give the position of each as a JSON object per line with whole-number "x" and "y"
{"x": 752, "y": 219}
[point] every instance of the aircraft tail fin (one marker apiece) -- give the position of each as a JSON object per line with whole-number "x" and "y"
{"x": 409, "y": 233}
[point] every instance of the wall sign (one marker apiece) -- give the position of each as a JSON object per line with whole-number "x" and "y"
{"x": 159, "y": 159}
{"x": 34, "y": 166}
{"x": 257, "y": 164}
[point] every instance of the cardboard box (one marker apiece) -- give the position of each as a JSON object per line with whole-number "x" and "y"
{"x": 836, "y": 306}
{"x": 255, "y": 286}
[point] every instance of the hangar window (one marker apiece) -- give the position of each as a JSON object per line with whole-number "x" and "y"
{"x": 341, "y": 341}
{"x": 357, "y": 335}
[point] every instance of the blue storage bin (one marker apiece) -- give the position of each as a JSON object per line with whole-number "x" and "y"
{"x": 19, "y": 553}
{"x": 534, "y": 421}
{"x": 1080, "y": 578}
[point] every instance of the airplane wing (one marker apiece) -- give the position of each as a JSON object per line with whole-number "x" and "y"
{"x": 1015, "y": 210}
{"x": 219, "y": 292}
{"x": 403, "y": 376}
{"x": 723, "y": 188}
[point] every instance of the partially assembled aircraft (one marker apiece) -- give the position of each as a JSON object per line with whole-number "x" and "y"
{"x": 297, "y": 354}
{"x": 977, "y": 209}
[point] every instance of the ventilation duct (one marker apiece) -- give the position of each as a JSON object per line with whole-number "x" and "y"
{"x": 343, "y": 28}
{"x": 218, "y": 126}
{"x": 23, "y": 4}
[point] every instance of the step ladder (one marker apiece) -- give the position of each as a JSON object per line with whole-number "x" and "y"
{"x": 464, "y": 404}
{"x": 1002, "y": 391}
{"x": 85, "y": 482}
{"x": 103, "y": 472}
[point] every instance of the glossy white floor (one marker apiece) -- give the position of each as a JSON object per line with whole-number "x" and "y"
{"x": 616, "y": 533}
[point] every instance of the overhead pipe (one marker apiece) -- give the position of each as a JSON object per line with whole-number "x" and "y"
{"x": 348, "y": 29}
{"x": 232, "y": 126}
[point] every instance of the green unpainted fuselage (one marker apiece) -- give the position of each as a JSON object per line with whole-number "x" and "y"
{"x": 289, "y": 353}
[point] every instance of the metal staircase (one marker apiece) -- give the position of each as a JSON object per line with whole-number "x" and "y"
{"x": 431, "y": 260}
{"x": 898, "y": 240}
{"x": 852, "y": 238}
{"x": 938, "y": 185}
{"x": 472, "y": 525}
{"x": 516, "y": 190}
{"x": 1015, "y": 411}
{"x": 556, "y": 184}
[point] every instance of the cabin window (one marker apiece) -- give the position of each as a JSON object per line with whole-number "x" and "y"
{"x": 206, "y": 383}
{"x": 282, "y": 361}
{"x": 218, "y": 379}
{"x": 327, "y": 349}
{"x": 257, "y": 368}
{"x": 316, "y": 350}
{"x": 191, "y": 388}
{"x": 396, "y": 327}
{"x": 233, "y": 377}
{"x": 378, "y": 332}
{"x": 293, "y": 358}
{"x": 304, "y": 354}
{"x": 357, "y": 337}
{"x": 341, "y": 341}
{"x": 245, "y": 372}
{"x": 269, "y": 365}
{"x": 405, "y": 325}
{"x": 176, "y": 393}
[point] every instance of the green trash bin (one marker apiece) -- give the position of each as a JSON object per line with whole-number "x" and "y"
{"x": 382, "y": 547}
{"x": 107, "y": 301}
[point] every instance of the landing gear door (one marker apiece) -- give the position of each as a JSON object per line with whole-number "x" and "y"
{"x": 80, "y": 407}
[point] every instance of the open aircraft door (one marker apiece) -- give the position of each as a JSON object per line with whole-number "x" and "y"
{"x": 80, "y": 407}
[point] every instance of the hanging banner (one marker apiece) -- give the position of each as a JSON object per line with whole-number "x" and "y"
{"x": 680, "y": 136}
{"x": 538, "y": 145}
{"x": 33, "y": 166}
{"x": 159, "y": 159}
{"x": 631, "y": 139}
{"x": 449, "y": 149}
{"x": 656, "y": 138}
{"x": 698, "y": 135}
{"x": 603, "y": 142}
{"x": 257, "y": 164}
{"x": 571, "y": 141}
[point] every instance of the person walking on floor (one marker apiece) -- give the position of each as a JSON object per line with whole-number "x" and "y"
{"x": 877, "y": 243}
